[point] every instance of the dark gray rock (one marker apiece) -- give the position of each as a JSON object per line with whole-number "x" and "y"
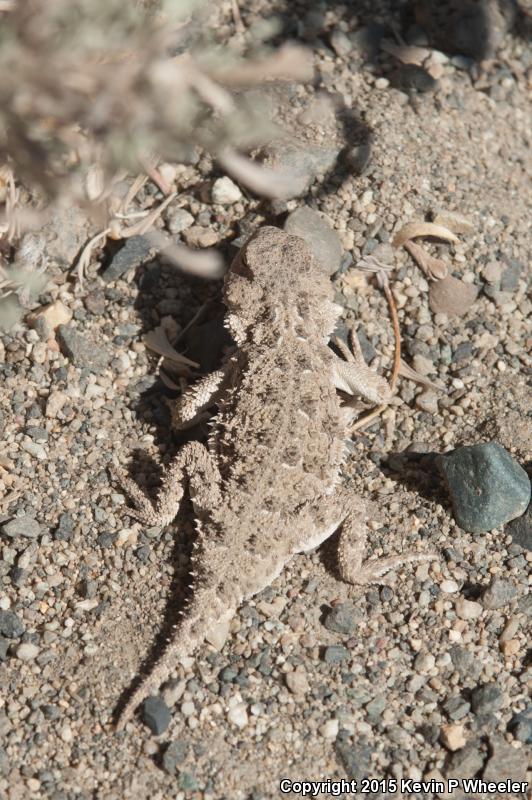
{"x": 320, "y": 237}
{"x": 65, "y": 528}
{"x": 355, "y": 759}
{"x": 343, "y": 618}
{"x": 505, "y": 762}
{"x": 25, "y": 525}
{"x": 107, "y": 539}
{"x": 486, "y": 699}
{"x": 173, "y": 756}
{"x": 499, "y": 593}
{"x": 359, "y": 156}
{"x": 487, "y": 487}
{"x": 367, "y": 40}
{"x": 4, "y": 646}
{"x": 462, "y": 659}
{"x": 466, "y": 762}
{"x": 468, "y": 27}
{"x": 11, "y": 625}
{"x": 335, "y": 654}
{"x": 82, "y": 351}
{"x": 411, "y": 78}
{"x": 521, "y": 529}
{"x": 456, "y": 707}
{"x": 375, "y": 708}
{"x": 156, "y": 715}
{"x": 187, "y": 782}
{"x": 521, "y": 725}
{"x": 135, "y": 252}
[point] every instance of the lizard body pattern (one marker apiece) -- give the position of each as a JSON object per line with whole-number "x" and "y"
{"x": 267, "y": 485}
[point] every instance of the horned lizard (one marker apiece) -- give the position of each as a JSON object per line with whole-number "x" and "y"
{"x": 267, "y": 485}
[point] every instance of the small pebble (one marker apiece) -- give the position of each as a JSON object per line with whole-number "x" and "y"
{"x": 499, "y": 593}
{"x": 27, "y": 651}
{"x": 452, "y": 737}
{"x": 486, "y": 699}
{"x": 156, "y": 715}
{"x": 343, "y": 618}
{"x": 330, "y": 729}
{"x": 11, "y": 625}
{"x": 226, "y": 192}
{"x": 238, "y": 715}
{"x": 467, "y": 609}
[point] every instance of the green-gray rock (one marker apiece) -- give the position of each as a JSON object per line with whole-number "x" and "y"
{"x": 487, "y": 487}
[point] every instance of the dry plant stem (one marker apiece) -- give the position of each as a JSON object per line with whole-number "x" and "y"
{"x": 365, "y": 420}
{"x": 239, "y": 25}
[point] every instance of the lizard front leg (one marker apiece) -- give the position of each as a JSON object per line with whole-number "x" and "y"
{"x": 353, "y": 375}
{"x": 193, "y": 463}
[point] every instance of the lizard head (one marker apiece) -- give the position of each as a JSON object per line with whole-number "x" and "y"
{"x": 274, "y": 275}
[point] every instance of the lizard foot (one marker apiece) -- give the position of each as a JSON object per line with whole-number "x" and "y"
{"x": 144, "y": 510}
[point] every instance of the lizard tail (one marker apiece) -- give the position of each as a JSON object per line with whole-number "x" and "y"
{"x": 200, "y": 617}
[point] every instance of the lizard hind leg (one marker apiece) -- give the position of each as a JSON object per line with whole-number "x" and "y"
{"x": 351, "y": 547}
{"x": 194, "y": 463}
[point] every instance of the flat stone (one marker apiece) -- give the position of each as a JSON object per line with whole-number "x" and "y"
{"x": 520, "y": 529}
{"x": 486, "y": 699}
{"x": 499, "y": 593}
{"x": 11, "y": 625}
{"x": 451, "y": 296}
{"x": 156, "y": 715}
{"x": 505, "y": 762}
{"x": 25, "y": 525}
{"x": 343, "y": 618}
{"x": 466, "y": 762}
{"x": 320, "y": 237}
{"x": 82, "y": 351}
{"x": 136, "y": 250}
{"x": 487, "y": 487}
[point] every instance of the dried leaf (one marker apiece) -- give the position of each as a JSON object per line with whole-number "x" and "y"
{"x": 289, "y": 63}
{"x": 168, "y": 381}
{"x": 452, "y": 296}
{"x": 415, "y": 229}
{"x": 408, "y": 372}
{"x": 454, "y": 221}
{"x": 157, "y": 341}
{"x": 205, "y": 264}
{"x": 406, "y": 54}
{"x": 262, "y": 180}
{"x": 434, "y": 268}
